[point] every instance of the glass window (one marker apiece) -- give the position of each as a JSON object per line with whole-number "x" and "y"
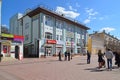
{"x": 59, "y": 24}
{"x": 49, "y": 21}
{"x": 26, "y": 25}
{"x": 61, "y": 37}
{"x": 57, "y": 37}
{"x": 48, "y": 35}
{"x": 26, "y": 37}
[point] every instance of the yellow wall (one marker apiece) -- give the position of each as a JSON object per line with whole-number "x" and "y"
{"x": 89, "y": 44}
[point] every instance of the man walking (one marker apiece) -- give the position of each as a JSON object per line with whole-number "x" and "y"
{"x": 109, "y": 56}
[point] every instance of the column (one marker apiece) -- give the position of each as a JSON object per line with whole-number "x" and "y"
{"x": 75, "y": 42}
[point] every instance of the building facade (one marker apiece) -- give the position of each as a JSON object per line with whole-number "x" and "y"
{"x": 0, "y": 14}
{"x": 47, "y": 33}
{"x": 102, "y": 41}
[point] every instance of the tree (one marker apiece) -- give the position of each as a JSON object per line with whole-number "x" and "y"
{"x": 4, "y": 29}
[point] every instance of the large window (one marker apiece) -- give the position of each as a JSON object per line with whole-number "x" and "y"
{"x": 48, "y": 35}
{"x": 57, "y": 37}
{"x": 61, "y": 38}
{"x": 26, "y": 25}
{"x": 49, "y": 21}
{"x": 26, "y": 37}
{"x": 59, "y": 24}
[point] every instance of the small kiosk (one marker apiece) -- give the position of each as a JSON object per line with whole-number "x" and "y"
{"x": 12, "y": 45}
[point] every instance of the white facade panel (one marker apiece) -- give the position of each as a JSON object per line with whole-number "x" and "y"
{"x": 35, "y": 29}
{"x": 48, "y": 29}
{"x": 27, "y": 29}
{"x": 59, "y": 31}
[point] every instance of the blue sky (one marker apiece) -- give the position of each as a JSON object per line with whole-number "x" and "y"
{"x": 96, "y": 14}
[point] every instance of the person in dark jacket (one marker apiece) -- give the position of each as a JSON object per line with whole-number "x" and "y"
{"x": 66, "y": 55}
{"x": 117, "y": 58}
{"x": 100, "y": 59}
{"x": 59, "y": 55}
{"x": 88, "y": 57}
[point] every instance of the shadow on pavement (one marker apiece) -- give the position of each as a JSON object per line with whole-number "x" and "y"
{"x": 96, "y": 69}
{"x": 81, "y": 63}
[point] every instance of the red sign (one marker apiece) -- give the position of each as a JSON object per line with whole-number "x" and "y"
{"x": 18, "y": 38}
{"x": 51, "y": 41}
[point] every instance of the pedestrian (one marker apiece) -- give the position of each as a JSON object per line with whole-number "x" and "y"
{"x": 101, "y": 61}
{"x": 49, "y": 52}
{"x": 1, "y": 55}
{"x": 88, "y": 57}
{"x": 109, "y": 56}
{"x": 68, "y": 55}
{"x": 65, "y": 55}
{"x": 117, "y": 58}
{"x": 59, "y": 55}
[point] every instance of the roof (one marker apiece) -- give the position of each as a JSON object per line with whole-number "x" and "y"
{"x": 54, "y": 14}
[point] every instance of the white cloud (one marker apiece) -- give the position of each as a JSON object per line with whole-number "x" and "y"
{"x": 91, "y": 15}
{"x": 87, "y": 21}
{"x": 70, "y": 14}
{"x": 4, "y": 25}
{"x": 71, "y": 8}
{"x": 91, "y": 12}
{"x": 107, "y": 29}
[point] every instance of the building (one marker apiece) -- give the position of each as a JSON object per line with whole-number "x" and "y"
{"x": 0, "y": 26}
{"x": 0, "y": 14}
{"x": 102, "y": 41}
{"x": 46, "y": 32}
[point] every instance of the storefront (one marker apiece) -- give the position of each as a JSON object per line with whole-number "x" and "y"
{"x": 11, "y": 45}
{"x": 50, "y": 47}
{"x": 59, "y": 47}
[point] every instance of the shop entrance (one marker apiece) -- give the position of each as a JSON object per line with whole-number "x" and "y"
{"x": 48, "y": 51}
{"x": 16, "y": 52}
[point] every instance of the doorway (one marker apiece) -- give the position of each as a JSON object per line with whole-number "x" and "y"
{"x": 48, "y": 51}
{"x": 16, "y": 52}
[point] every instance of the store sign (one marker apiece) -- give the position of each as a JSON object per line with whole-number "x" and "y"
{"x": 7, "y": 35}
{"x": 51, "y": 41}
{"x": 18, "y": 38}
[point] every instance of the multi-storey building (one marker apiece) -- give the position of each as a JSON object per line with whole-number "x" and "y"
{"x": 103, "y": 40}
{"x": 47, "y": 31}
{"x": 0, "y": 14}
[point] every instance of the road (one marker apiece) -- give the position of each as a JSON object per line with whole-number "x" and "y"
{"x": 51, "y": 69}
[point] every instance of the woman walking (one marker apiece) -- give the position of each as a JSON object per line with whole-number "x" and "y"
{"x": 101, "y": 61}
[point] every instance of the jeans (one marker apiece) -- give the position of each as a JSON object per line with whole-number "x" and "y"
{"x": 109, "y": 63}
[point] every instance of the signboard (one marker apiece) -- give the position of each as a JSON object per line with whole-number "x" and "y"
{"x": 51, "y": 41}
{"x": 7, "y": 35}
{"x": 18, "y": 38}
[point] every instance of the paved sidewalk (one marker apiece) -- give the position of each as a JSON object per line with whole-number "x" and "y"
{"x": 51, "y": 69}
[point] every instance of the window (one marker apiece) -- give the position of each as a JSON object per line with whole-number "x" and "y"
{"x": 61, "y": 37}
{"x": 26, "y": 37}
{"x": 48, "y": 21}
{"x": 57, "y": 37}
{"x": 26, "y": 25}
{"x": 59, "y": 24}
{"x": 48, "y": 35}
{"x": 21, "y": 22}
